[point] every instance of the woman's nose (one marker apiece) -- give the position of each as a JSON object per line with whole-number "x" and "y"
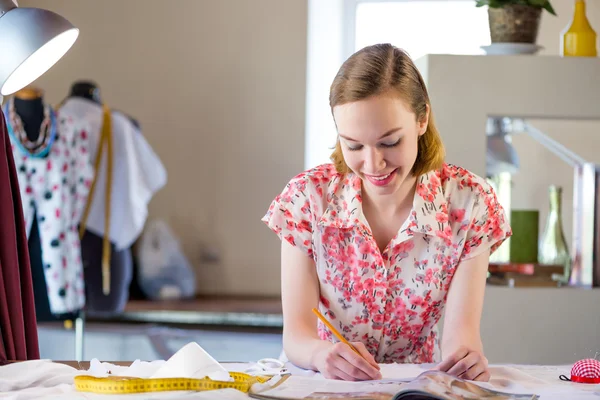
{"x": 374, "y": 161}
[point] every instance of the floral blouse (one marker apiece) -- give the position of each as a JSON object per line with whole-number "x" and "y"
{"x": 391, "y": 300}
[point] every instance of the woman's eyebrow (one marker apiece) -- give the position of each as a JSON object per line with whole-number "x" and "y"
{"x": 388, "y": 133}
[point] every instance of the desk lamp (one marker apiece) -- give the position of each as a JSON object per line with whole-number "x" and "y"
{"x": 31, "y": 41}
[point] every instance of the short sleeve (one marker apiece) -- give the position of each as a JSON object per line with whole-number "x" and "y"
{"x": 489, "y": 226}
{"x": 290, "y": 216}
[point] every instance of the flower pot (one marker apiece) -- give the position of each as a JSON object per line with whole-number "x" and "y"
{"x": 514, "y": 23}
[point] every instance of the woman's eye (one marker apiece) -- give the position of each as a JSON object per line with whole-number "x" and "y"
{"x": 396, "y": 143}
{"x": 355, "y": 148}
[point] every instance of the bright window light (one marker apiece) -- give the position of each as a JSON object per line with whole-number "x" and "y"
{"x": 423, "y": 27}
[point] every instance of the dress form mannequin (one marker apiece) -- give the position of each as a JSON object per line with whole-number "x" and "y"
{"x": 86, "y": 89}
{"x": 29, "y": 105}
{"x": 90, "y": 90}
{"x": 121, "y": 262}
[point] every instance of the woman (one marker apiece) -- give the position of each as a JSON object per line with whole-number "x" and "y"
{"x": 387, "y": 237}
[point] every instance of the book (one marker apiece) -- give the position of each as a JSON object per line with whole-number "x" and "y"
{"x": 429, "y": 385}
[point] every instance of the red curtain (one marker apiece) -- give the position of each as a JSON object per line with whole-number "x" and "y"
{"x": 18, "y": 328}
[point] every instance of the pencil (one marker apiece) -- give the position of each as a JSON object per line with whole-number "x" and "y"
{"x": 335, "y": 332}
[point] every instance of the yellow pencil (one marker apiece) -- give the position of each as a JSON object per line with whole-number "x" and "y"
{"x": 335, "y": 332}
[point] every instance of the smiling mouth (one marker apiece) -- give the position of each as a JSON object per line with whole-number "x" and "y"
{"x": 380, "y": 177}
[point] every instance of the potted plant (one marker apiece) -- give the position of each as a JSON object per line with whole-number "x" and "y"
{"x": 515, "y": 21}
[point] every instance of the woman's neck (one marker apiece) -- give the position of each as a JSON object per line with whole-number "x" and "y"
{"x": 392, "y": 204}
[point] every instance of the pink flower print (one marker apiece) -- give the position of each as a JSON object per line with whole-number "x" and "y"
{"x": 290, "y": 225}
{"x": 364, "y": 248}
{"x": 290, "y": 239}
{"x": 401, "y": 250}
{"x": 49, "y": 165}
{"x": 306, "y": 207}
{"x": 424, "y": 192}
{"x": 419, "y": 278}
{"x": 303, "y": 226}
{"x": 497, "y": 233}
{"x": 445, "y": 234}
{"x": 457, "y": 215}
{"x": 441, "y": 217}
{"x": 325, "y": 302}
{"x": 358, "y": 286}
{"x": 431, "y": 276}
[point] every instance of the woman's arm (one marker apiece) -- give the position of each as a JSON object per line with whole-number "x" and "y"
{"x": 462, "y": 349}
{"x": 301, "y": 343}
{"x": 299, "y": 295}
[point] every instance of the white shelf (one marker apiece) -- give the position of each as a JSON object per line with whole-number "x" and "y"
{"x": 465, "y": 90}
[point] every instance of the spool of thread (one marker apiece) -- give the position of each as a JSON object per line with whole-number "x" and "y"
{"x": 524, "y": 240}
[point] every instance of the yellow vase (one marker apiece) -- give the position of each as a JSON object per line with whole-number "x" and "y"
{"x": 579, "y": 39}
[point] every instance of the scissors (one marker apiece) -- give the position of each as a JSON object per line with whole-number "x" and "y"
{"x": 268, "y": 366}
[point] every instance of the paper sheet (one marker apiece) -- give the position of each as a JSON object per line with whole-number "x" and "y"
{"x": 401, "y": 372}
{"x": 389, "y": 372}
{"x": 298, "y": 387}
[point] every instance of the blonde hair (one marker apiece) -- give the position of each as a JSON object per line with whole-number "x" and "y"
{"x": 383, "y": 69}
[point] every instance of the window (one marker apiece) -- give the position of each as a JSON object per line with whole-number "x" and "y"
{"x": 423, "y": 27}
{"x": 337, "y": 28}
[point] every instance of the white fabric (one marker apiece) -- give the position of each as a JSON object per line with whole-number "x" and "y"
{"x": 42, "y": 379}
{"x": 137, "y": 173}
{"x": 56, "y": 187}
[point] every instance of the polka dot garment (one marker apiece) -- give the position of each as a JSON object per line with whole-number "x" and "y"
{"x": 56, "y": 187}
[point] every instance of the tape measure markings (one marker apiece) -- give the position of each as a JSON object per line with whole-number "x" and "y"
{"x": 124, "y": 385}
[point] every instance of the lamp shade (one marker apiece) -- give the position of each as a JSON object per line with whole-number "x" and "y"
{"x": 31, "y": 41}
{"x": 501, "y": 154}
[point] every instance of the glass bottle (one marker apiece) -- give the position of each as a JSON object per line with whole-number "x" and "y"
{"x": 553, "y": 248}
{"x": 579, "y": 38}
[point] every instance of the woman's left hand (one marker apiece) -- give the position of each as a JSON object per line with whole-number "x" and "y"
{"x": 466, "y": 364}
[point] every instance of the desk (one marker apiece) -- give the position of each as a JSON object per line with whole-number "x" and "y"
{"x": 55, "y": 380}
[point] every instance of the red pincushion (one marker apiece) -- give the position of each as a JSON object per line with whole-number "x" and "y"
{"x": 585, "y": 371}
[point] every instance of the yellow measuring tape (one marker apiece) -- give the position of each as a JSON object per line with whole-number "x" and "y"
{"x": 127, "y": 385}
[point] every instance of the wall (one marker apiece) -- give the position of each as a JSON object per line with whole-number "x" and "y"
{"x": 219, "y": 88}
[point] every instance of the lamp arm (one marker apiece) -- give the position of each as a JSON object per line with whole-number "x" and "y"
{"x": 556, "y": 148}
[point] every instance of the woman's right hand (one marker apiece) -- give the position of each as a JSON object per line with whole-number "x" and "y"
{"x": 339, "y": 361}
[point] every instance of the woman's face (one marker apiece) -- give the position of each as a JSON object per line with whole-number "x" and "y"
{"x": 379, "y": 140}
